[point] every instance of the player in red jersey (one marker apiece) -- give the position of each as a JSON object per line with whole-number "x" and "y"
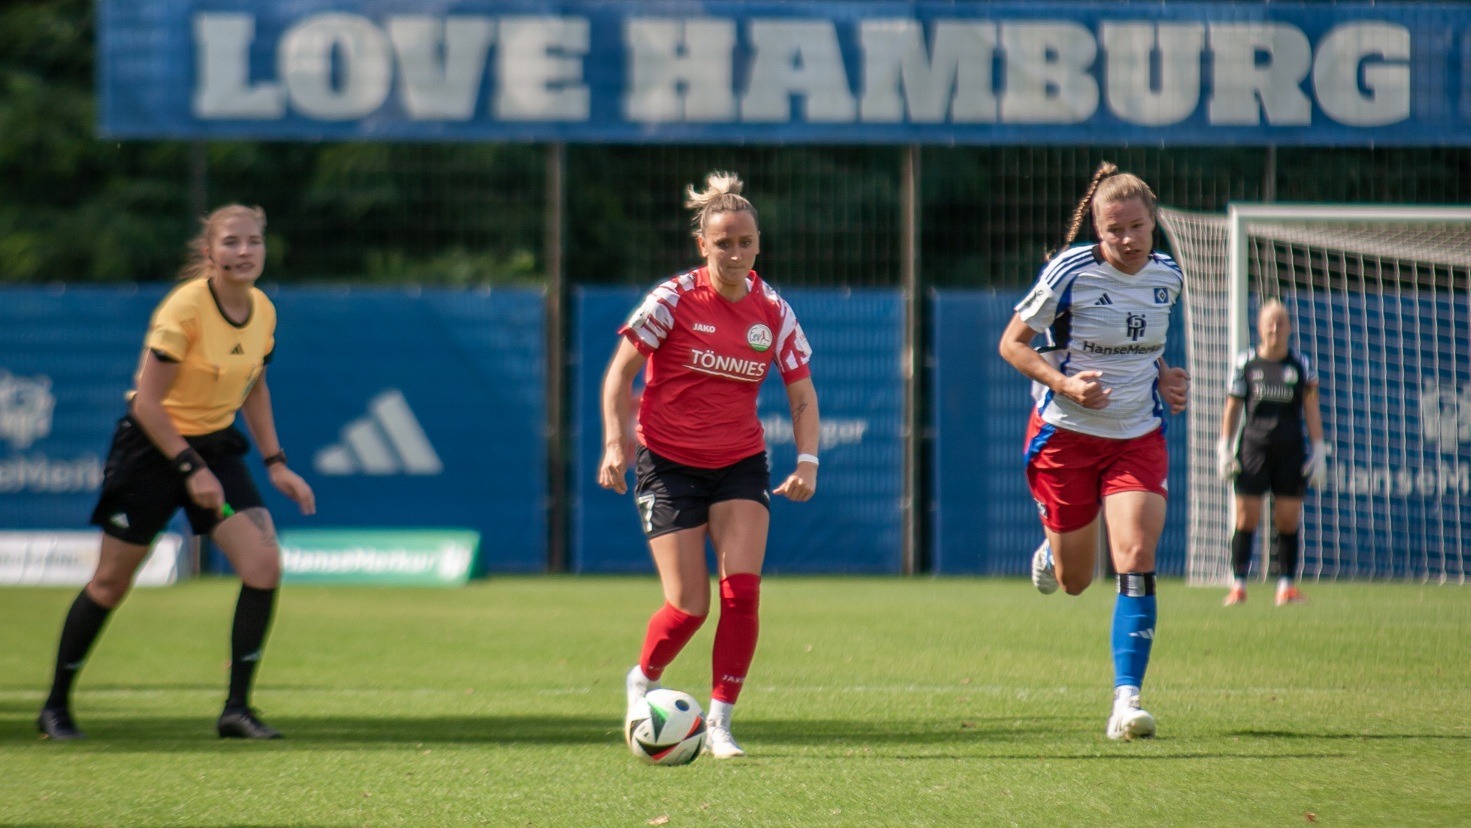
{"x": 708, "y": 338}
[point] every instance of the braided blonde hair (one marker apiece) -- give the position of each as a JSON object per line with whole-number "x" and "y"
{"x": 1109, "y": 186}
{"x": 722, "y": 194}
{"x": 197, "y": 261}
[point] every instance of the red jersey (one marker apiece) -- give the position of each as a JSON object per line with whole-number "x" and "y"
{"x": 707, "y": 358}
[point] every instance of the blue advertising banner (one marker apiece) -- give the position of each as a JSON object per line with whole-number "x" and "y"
{"x": 926, "y": 72}
{"x": 983, "y": 520}
{"x": 852, "y": 525}
{"x": 1397, "y": 502}
{"x": 402, "y": 408}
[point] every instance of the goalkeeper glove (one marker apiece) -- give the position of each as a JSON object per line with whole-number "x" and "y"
{"x": 1316, "y": 468}
{"x": 1226, "y": 464}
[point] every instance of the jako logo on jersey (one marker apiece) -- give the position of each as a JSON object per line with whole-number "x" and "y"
{"x": 25, "y": 408}
{"x": 1104, "y": 300}
{"x": 701, "y": 327}
{"x": 1136, "y": 325}
{"x": 388, "y": 440}
{"x": 708, "y": 362}
{"x": 758, "y": 337}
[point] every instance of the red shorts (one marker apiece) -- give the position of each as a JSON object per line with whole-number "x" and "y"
{"x": 1070, "y": 473}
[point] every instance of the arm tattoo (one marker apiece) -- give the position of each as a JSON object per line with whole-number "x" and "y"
{"x": 797, "y": 413}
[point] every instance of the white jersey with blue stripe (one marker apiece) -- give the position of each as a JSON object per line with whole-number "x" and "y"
{"x": 1098, "y": 318}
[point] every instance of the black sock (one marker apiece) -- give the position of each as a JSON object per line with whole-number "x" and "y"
{"x": 1287, "y": 555}
{"x": 252, "y": 620}
{"x": 1241, "y": 544}
{"x": 80, "y": 630}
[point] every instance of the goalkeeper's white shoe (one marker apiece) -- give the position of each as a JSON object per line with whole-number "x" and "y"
{"x": 718, "y": 741}
{"x": 1044, "y": 576}
{"x": 1128, "y": 722}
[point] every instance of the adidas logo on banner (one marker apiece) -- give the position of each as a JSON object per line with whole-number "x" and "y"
{"x": 1104, "y": 300}
{"x": 387, "y": 440}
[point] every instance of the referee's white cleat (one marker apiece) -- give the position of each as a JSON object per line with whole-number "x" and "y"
{"x": 1043, "y": 576}
{"x": 718, "y": 741}
{"x": 1128, "y": 722}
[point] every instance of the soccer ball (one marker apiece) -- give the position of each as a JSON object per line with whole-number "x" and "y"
{"x": 667, "y": 728}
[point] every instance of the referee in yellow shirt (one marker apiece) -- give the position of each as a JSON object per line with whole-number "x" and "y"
{"x": 204, "y": 360}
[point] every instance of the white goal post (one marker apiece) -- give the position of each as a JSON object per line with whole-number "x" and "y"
{"x": 1380, "y": 298}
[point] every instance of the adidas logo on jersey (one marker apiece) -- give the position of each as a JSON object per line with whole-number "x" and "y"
{"x": 237, "y": 350}
{"x": 120, "y": 520}
{"x": 1104, "y": 300}
{"x": 387, "y": 440}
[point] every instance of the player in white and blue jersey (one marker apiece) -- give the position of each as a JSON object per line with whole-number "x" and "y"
{"x": 1095, "y": 440}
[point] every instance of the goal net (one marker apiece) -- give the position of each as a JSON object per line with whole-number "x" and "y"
{"x": 1379, "y": 302}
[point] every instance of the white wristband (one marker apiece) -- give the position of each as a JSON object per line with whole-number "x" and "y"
{"x": 808, "y": 458}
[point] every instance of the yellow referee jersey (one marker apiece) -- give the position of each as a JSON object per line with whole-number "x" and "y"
{"x": 219, "y": 361}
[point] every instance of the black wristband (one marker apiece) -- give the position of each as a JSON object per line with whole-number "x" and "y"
{"x": 278, "y": 457}
{"x": 187, "y": 462}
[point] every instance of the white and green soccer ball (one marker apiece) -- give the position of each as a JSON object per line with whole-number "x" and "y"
{"x": 667, "y": 728}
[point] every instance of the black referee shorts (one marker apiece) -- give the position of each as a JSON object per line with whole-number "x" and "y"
{"x": 1268, "y": 468}
{"x": 672, "y": 496}
{"x": 141, "y": 490}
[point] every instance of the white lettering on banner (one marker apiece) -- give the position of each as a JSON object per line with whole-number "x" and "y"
{"x": 832, "y": 431}
{"x": 442, "y": 61}
{"x": 540, "y": 69}
{"x": 359, "y": 52}
{"x": 1139, "y": 94}
{"x": 900, "y": 78}
{"x": 670, "y": 78}
{"x": 1259, "y": 70}
{"x": 223, "y": 88}
{"x": 448, "y": 560}
{"x": 1385, "y": 96}
{"x": 797, "y": 58}
{"x": 337, "y": 67}
{"x": 1430, "y": 481}
{"x": 40, "y": 474}
{"x": 1047, "y": 73}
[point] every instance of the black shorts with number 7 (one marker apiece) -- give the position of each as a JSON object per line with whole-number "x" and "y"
{"x": 672, "y": 496}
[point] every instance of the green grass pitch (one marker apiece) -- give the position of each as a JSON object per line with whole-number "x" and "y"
{"x": 872, "y": 702}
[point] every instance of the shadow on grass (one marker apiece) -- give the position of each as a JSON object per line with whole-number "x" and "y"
{"x": 174, "y": 734}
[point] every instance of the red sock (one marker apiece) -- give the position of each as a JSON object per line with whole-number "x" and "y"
{"x": 669, "y": 631}
{"x": 735, "y": 635}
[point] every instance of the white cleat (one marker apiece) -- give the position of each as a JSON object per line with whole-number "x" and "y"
{"x": 637, "y": 686}
{"x": 1128, "y": 722}
{"x": 1044, "y": 578}
{"x": 718, "y": 741}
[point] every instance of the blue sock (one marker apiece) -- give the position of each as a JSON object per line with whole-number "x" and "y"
{"x": 1133, "y": 627}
